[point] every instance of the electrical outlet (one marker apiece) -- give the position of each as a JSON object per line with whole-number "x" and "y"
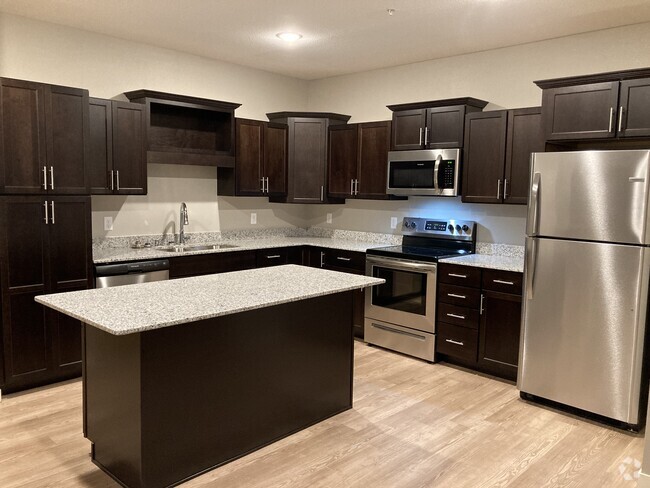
{"x": 253, "y": 218}
{"x": 108, "y": 223}
{"x": 329, "y": 218}
{"x": 393, "y": 222}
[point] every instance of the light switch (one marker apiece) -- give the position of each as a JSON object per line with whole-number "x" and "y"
{"x": 393, "y": 222}
{"x": 329, "y": 218}
{"x": 108, "y": 223}
{"x": 253, "y": 218}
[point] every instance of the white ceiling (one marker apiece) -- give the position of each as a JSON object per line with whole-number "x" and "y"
{"x": 340, "y": 36}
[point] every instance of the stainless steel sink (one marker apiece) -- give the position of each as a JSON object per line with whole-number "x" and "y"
{"x": 196, "y": 247}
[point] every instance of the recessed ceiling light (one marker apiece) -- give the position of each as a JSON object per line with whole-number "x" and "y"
{"x": 288, "y": 36}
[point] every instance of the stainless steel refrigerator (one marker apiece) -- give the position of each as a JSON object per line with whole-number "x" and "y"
{"x": 586, "y": 281}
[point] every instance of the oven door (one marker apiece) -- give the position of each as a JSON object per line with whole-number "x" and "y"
{"x": 408, "y": 298}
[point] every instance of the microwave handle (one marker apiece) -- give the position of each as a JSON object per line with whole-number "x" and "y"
{"x": 436, "y": 168}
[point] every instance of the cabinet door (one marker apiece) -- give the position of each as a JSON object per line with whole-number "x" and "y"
{"x": 275, "y": 158}
{"x": 445, "y": 127}
{"x": 129, "y": 153}
{"x": 580, "y": 112}
{"x": 634, "y": 110}
{"x": 66, "y": 345}
{"x": 500, "y": 326}
{"x": 307, "y": 160}
{"x": 485, "y": 148}
{"x": 100, "y": 146}
{"x": 374, "y": 141}
{"x": 66, "y": 130}
{"x": 342, "y": 160}
{"x": 525, "y": 136}
{"x": 408, "y": 129}
{"x": 24, "y": 271}
{"x": 22, "y": 137}
{"x": 249, "y": 156}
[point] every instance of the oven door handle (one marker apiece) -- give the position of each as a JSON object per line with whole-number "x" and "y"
{"x": 401, "y": 264}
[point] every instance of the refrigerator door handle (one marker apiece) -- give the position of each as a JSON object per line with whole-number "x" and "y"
{"x": 533, "y": 210}
{"x": 531, "y": 258}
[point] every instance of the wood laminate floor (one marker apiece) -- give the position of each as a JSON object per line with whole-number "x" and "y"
{"x": 413, "y": 425}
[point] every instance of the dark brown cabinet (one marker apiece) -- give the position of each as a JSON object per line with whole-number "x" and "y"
{"x": 276, "y": 256}
{"x": 43, "y": 129}
{"x": 498, "y": 145}
{"x": 478, "y": 318}
{"x": 307, "y": 155}
{"x": 44, "y": 248}
{"x": 600, "y": 106}
{"x": 434, "y": 124}
{"x": 357, "y": 160}
{"x": 116, "y": 152}
{"x": 261, "y": 158}
{"x": 202, "y": 264}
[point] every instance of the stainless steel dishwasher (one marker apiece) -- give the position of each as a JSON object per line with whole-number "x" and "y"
{"x": 107, "y": 275}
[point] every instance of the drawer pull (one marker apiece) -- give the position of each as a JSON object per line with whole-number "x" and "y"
{"x": 462, "y": 317}
{"x": 458, "y": 343}
{"x": 457, "y": 275}
{"x": 503, "y": 282}
{"x": 274, "y": 256}
{"x": 343, "y": 259}
{"x": 456, "y": 296}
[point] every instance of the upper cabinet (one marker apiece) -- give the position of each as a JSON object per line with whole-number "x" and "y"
{"x": 187, "y": 130}
{"x": 260, "y": 158}
{"x": 116, "y": 152}
{"x": 357, "y": 160}
{"x": 44, "y": 129}
{"x": 307, "y": 154}
{"x": 435, "y": 124}
{"x": 498, "y": 145}
{"x": 601, "y": 106}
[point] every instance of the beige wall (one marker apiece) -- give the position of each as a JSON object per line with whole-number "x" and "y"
{"x": 504, "y": 77}
{"x": 108, "y": 66}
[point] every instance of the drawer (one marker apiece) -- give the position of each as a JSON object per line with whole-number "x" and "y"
{"x": 271, "y": 257}
{"x": 503, "y": 281}
{"x": 401, "y": 339}
{"x": 459, "y": 295}
{"x": 351, "y": 260}
{"x": 459, "y": 342}
{"x": 459, "y": 275}
{"x": 453, "y": 314}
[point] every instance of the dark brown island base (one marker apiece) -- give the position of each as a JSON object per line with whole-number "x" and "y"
{"x": 166, "y": 404}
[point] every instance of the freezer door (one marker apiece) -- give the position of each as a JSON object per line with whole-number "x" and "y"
{"x": 584, "y": 324}
{"x": 590, "y": 195}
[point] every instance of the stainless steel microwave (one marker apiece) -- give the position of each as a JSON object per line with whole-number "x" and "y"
{"x": 429, "y": 172}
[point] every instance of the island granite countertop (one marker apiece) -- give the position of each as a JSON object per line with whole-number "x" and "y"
{"x": 147, "y": 306}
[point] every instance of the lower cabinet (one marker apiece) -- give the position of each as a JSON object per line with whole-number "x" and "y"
{"x": 278, "y": 255}
{"x": 44, "y": 248}
{"x": 202, "y": 264}
{"x": 478, "y": 318}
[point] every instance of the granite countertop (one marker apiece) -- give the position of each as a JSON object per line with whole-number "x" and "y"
{"x": 504, "y": 263}
{"x": 146, "y": 306}
{"x": 114, "y": 255}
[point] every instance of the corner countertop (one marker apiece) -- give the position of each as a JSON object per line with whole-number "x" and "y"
{"x": 114, "y": 255}
{"x": 137, "y": 308}
{"x": 503, "y": 263}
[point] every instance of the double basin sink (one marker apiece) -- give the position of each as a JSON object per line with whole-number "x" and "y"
{"x": 195, "y": 247}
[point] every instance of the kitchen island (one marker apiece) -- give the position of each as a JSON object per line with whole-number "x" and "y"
{"x": 182, "y": 376}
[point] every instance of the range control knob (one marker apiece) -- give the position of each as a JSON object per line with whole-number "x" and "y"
{"x": 465, "y": 228}
{"x": 413, "y": 225}
{"x": 451, "y": 228}
{"x": 458, "y": 228}
{"x": 406, "y": 224}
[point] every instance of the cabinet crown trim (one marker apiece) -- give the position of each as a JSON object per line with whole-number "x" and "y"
{"x": 629, "y": 74}
{"x": 308, "y": 115}
{"x": 139, "y": 96}
{"x": 472, "y": 102}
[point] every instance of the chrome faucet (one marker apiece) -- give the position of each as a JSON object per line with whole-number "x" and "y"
{"x": 184, "y": 220}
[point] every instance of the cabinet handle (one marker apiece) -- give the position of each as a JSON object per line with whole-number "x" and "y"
{"x": 611, "y": 119}
{"x": 456, "y": 296}
{"x": 322, "y": 259}
{"x": 420, "y": 136}
{"x": 51, "y": 177}
{"x": 274, "y": 256}
{"x": 457, "y": 275}
{"x": 52, "y": 207}
{"x": 456, "y": 316}
{"x": 356, "y": 187}
{"x": 322, "y": 193}
{"x": 503, "y": 282}
{"x": 44, "y": 177}
{"x": 499, "y": 189}
{"x": 343, "y": 259}
{"x": 47, "y": 217}
{"x": 117, "y": 178}
{"x": 267, "y": 184}
{"x": 480, "y": 308}
{"x": 458, "y": 343}
{"x": 426, "y": 136}
{"x": 112, "y": 181}
{"x": 351, "y": 186}
{"x": 505, "y": 188}
{"x": 262, "y": 180}
{"x": 620, "y": 118}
